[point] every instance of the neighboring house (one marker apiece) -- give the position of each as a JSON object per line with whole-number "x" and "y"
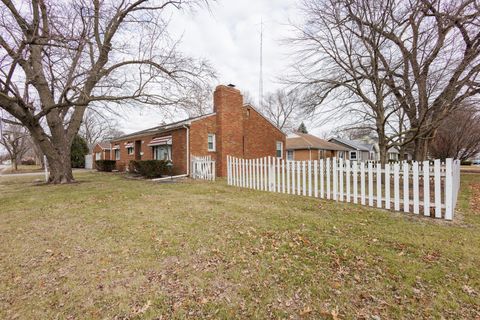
{"x": 303, "y": 146}
{"x": 101, "y": 151}
{"x": 358, "y": 150}
{"x": 233, "y": 129}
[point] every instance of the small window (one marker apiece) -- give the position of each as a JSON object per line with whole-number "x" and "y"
{"x": 211, "y": 142}
{"x": 290, "y": 155}
{"x": 98, "y": 156}
{"x": 117, "y": 154}
{"x": 340, "y": 154}
{"x": 130, "y": 150}
{"x": 279, "y": 149}
{"x": 353, "y": 155}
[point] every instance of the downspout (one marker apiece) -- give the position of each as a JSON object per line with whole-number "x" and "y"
{"x": 188, "y": 149}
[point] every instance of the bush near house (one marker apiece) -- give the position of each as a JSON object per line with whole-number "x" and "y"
{"x": 105, "y": 165}
{"x": 149, "y": 168}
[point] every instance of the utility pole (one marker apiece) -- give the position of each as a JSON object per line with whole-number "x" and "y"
{"x": 260, "y": 82}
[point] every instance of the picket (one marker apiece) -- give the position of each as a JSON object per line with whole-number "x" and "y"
{"x": 406, "y": 194}
{"x": 416, "y": 196}
{"x": 347, "y": 178}
{"x": 387, "y": 186}
{"x": 362, "y": 181}
{"x": 370, "y": 184}
{"x": 426, "y": 188}
{"x": 340, "y": 179}
{"x": 328, "y": 177}
{"x": 396, "y": 184}
{"x": 438, "y": 195}
{"x": 355, "y": 182}
{"x": 379, "y": 185}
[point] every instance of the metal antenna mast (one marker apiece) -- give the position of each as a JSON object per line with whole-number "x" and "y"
{"x": 260, "y": 82}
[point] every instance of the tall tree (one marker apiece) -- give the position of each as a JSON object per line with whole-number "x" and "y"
{"x": 459, "y": 135}
{"x": 282, "y": 108}
{"x": 16, "y": 140}
{"x": 97, "y": 127}
{"x": 59, "y": 57}
{"x": 365, "y": 60}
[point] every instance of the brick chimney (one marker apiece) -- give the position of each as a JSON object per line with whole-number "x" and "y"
{"x": 228, "y": 105}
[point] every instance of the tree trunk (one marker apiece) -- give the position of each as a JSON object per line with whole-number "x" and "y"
{"x": 60, "y": 168}
{"x": 58, "y": 153}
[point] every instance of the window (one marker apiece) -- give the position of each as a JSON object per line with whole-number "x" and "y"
{"x": 98, "y": 156}
{"x": 117, "y": 154}
{"x": 211, "y": 142}
{"x": 163, "y": 152}
{"x": 289, "y": 154}
{"x": 340, "y": 154}
{"x": 130, "y": 150}
{"x": 279, "y": 149}
{"x": 353, "y": 155}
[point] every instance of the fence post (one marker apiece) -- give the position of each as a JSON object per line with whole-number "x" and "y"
{"x": 315, "y": 175}
{"x": 448, "y": 189}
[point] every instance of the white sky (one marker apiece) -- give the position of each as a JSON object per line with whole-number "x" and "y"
{"x": 228, "y": 35}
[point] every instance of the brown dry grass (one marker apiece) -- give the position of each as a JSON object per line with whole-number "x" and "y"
{"x": 112, "y": 248}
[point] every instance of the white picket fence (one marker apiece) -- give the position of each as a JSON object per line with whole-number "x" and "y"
{"x": 203, "y": 168}
{"x": 430, "y": 187}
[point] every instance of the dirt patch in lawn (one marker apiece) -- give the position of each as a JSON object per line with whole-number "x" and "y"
{"x": 475, "y": 199}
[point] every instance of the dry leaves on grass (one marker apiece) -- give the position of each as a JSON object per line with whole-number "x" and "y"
{"x": 475, "y": 198}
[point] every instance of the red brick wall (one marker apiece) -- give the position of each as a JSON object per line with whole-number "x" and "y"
{"x": 227, "y": 103}
{"x": 260, "y": 135}
{"x": 179, "y": 156}
{"x": 199, "y": 131}
{"x": 104, "y": 154}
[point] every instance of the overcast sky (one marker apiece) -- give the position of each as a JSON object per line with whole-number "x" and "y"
{"x": 228, "y": 35}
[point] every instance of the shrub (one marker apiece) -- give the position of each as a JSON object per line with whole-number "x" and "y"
{"x": 466, "y": 163}
{"x": 149, "y": 168}
{"x": 105, "y": 165}
{"x": 28, "y": 162}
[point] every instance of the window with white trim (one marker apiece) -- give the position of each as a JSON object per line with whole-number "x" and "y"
{"x": 117, "y": 154}
{"x": 162, "y": 152}
{"x": 290, "y": 155}
{"x": 130, "y": 150}
{"x": 279, "y": 148}
{"x": 98, "y": 156}
{"x": 353, "y": 155}
{"x": 211, "y": 142}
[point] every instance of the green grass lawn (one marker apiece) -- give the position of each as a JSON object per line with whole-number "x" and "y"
{"x": 113, "y": 248}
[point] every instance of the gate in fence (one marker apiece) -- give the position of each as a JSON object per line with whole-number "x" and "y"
{"x": 203, "y": 168}
{"x": 428, "y": 187}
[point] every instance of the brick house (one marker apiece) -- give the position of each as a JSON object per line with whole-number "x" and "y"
{"x": 233, "y": 128}
{"x": 303, "y": 146}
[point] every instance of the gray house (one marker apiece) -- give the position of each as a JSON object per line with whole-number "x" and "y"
{"x": 358, "y": 150}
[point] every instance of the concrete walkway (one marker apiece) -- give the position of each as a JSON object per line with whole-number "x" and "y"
{"x": 27, "y": 174}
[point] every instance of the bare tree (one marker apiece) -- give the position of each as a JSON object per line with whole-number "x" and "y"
{"x": 16, "y": 140}
{"x": 368, "y": 59}
{"x": 97, "y": 127}
{"x": 459, "y": 135}
{"x": 59, "y": 57}
{"x": 282, "y": 108}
